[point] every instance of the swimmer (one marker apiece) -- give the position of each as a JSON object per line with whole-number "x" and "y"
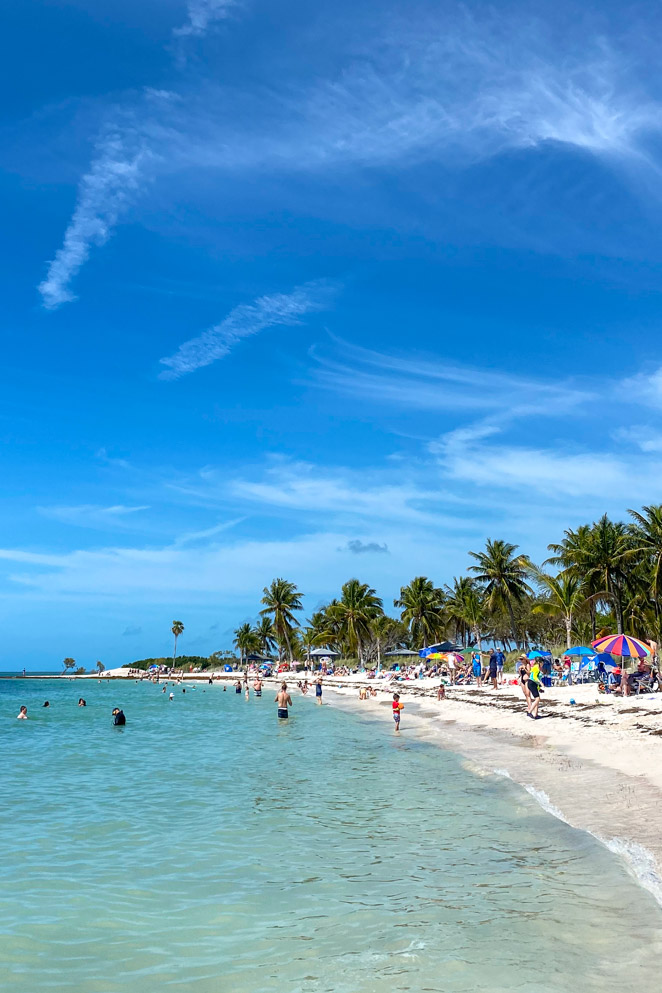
{"x": 247, "y": 693}
{"x": 164, "y": 689}
{"x": 22, "y": 714}
{"x": 257, "y": 687}
{"x": 119, "y": 720}
{"x": 81, "y": 702}
{"x": 172, "y": 696}
{"x": 237, "y": 686}
{"x": 225, "y": 689}
{"x": 284, "y": 700}
{"x": 318, "y": 691}
{"x": 46, "y": 703}
{"x": 183, "y": 689}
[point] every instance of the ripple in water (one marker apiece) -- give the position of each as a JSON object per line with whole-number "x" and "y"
{"x": 207, "y": 846}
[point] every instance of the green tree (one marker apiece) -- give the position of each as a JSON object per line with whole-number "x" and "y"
{"x": 503, "y": 574}
{"x": 564, "y": 595}
{"x": 646, "y": 535}
{"x": 100, "y": 666}
{"x": 177, "y": 629}
{"x": 354, "y": 613}
{"x": 246, "y": 640}
{"x": 280, "y": 601}
{"x": 68, "y": 664}
{"x": 266, "y": 635}
{"x": 421, "y": 605}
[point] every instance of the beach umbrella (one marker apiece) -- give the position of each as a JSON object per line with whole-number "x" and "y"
{"x": 444, "y": 646}
{"x": 580, "y": 650}
{"x": 535, "y": 654}
{"x": 622, "y": 645}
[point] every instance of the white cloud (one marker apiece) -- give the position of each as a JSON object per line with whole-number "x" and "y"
{"x": 90, "y": 515}
{"x": 563, "y": 472}
{"x": 645, "y": 438}
{"x": 242, "y": 322}
{"x": 645, "y": 388}
{"x": 104, "y": 192}
{"x": 435, "y": 384}
{"x": 202, "y": 14}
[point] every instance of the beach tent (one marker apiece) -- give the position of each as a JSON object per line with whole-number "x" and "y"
{"x": 400, "y": 653}
{"x": 324, "y": 653}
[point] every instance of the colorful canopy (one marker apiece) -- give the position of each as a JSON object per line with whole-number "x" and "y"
{"x": 580, "y": 650}
{"x": 622, "y": 645}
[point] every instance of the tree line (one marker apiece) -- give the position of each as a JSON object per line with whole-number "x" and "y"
{"x": 601, "y": 577}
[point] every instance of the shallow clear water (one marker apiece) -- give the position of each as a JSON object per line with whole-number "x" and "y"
{"x": 208, "y": 847}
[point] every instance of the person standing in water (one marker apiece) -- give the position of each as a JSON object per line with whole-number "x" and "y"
{"x": 257, "y": 687}
{"x": 284, "y": 700}
{"x": 237, "y": 686}
{"x": 318, "y": 691}
{"x": 397, "y": 709}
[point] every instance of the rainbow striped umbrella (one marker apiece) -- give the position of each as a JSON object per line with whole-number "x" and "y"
{"x": 623, "y": 645}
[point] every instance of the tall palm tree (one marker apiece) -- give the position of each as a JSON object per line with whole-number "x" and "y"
{"x": 565, "y": 594}
{"x": 503, "y": 574}
{"x": 646, "y": 534}
{"x": 421, "y": 604}
{"x": 280, "y": 600}
{"x": 576, "y": 554}
{"x": 177, "y": 629}
{"x": 246, "y": 640}
{"x": 455, "y": 602}
{"x": 266, "y": 635}
{"x": 609, "y": 548}
{"x": 354, "y": 613}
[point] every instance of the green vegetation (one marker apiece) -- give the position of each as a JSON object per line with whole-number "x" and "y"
{"x": 608, "y": 579}
{"x": 184, "y": 661}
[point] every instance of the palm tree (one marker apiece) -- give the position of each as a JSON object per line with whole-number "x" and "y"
{"x": 246, "y": 640}
{"x": 576, "y": 554}
{"x": 503, "y": 574}
{"x": 354, "y": 613}
{"x": 421, "y": 604}
{"x": 646, "y": 534}
{"x": 265, "y": 634}
{"x": 68, "y": 664}
{"x": 100, "y": 666}
{"x": 177, "y": 629}
{"x": 610, "y": 546}
{"x": 566, "y": 593}
{"x": 455, "y": 601}
{"x": 280, "y": 600}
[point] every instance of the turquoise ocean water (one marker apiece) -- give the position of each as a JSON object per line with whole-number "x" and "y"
{"x": 207, "y": 847}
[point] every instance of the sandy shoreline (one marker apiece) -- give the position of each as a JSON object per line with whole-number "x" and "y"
{"x": 597, "y": 764}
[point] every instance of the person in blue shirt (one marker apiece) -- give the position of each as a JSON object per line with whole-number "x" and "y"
{"x": 477, "y": 667}
{"x": 500, "y": 659}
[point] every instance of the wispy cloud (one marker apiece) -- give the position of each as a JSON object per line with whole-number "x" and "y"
{"x": 92, "y": 516}
{"x": 244, "y": 321}
{"x": 435, "y": 384}
{"x": 203, "y": 13}
{"x": 645, "y": 388}
{"x": 104, "y": 192}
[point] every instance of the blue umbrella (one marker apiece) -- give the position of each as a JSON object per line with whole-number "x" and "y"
{"x": 580, "y": 650}
{"x": 535, "y": 654}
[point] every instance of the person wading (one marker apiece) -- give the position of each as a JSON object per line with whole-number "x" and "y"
{"x": 284, "y": 700}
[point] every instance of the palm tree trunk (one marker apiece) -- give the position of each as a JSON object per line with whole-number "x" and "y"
{"x": 513, "y": 626}
{"x": 174, "y": 654}
{"x": 568, "y": 628}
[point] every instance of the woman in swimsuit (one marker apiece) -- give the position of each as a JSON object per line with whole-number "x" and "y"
{"x": 524, "y": 672}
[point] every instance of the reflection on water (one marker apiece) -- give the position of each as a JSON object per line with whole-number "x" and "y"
{"x": 207, "y": 846}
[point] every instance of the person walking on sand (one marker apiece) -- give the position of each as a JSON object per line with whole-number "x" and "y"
{"x": 535, "y": 689}
{"x": 284, "y": 700}
{"x": 397, "y": 710}
{"x": 523, "y": 669}
{"x": 318, "y": 691}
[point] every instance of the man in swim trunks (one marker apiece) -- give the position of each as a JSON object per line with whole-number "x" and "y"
{"x": 257, "y": 687}
{"x": 318, "y": 691}
{"x": 284, "y": 700}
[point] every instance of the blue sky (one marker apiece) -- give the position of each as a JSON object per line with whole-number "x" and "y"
{"x": 314, "y": 291}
